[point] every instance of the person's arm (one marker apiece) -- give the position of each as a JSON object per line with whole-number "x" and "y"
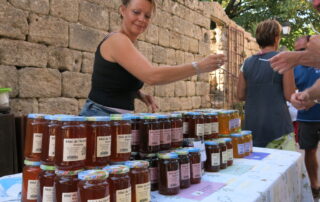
{"x": 314, "y": 91}
{"x": 118, "y": 48}
{"x": 241, "y": 90}
{"x": 288, "y": 84}
{"x": 148, "y": 100}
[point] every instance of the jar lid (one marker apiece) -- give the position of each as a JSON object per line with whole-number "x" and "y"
{"x": 236, "y": 135}
{"x": 93, "y": 175}
{"x": 145, "y": 155}
{"x": 181, "y": 151}
{"x": 117, "y": 169}
{"x": 193, "y": 149}
{"x": 117, "y": 163}
{"x": 32, "y": 163}
{"x": 135, "y": 117}
{"x": 176, "y": 115}
{"x": 210, "y": 143}
{"x": 168, "y": 155}
{"x": 188, "y": 113}
{"x": 67, "y": 172}
{"x": 36, "y": 116}
{"x": 72, "y": 118}
{"x": 115, "y": 117}
{"x": 227, "y": 139}
{"x": 137, "y": 164}
{"x": 246, "y": 132}
{"x": 134, "y": 153}
{"x": 47, "y": 167}
{"x": 162, "y": 116}
{"x": 224, "y": 112}
{"x": 98, "y": 118}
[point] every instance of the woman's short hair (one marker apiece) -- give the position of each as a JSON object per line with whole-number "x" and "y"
{"x": 267, "y": 31}
{"x": 153, "y": 2}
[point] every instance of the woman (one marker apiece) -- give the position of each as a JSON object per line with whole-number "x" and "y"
{"x": 265, "y": 92}
{"x": 120, "y": 69}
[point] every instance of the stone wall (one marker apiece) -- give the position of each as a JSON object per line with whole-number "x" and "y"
{"x": 47, "y": 49}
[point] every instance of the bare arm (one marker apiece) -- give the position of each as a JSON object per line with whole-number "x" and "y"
{"x": 118, "y": 48}
{"x": 288, "y": 84}
{"x": 241, "y": 90}
{"x": 314, "y": 90}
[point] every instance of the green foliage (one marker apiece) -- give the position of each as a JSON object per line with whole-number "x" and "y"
{"x": 248, "y": 13}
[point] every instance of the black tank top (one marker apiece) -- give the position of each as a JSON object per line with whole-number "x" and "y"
{"x": 112, "y": 85}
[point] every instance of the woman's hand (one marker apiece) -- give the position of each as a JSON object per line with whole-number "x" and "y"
{"x": 211, "y": 62}
{"x": 148, "y": 100}
{"x": 301, "y": 100}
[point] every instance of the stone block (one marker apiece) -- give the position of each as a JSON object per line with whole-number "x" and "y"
{"x": 177, "y": 24}
{"x": 148, "y": 89}
{"x": 171, "y": 56}
{"x": 59, "y": 105}
{"x": 145, "y": 49}
{"x": 205, "y": 101}
{"x": 185, "y": 103}
{"x": 196, "y": 102}
{"x": 152, "y": 34}
{"x": 185, "y": 40}
{"x": 115, "y": 21}
{"x": 179, "y": 55}
{"x": 159, "y": 55}
{"x": 188, "y": 57}
{"x": 164, "y": 39}
{"x": 191, "y": 88}
{"x": 109, "y": 4}
{"x": 204, "y": 77}
{"x": 94, "y": 15}
{"x": 84, "y": 38}
{"x": 87, "y": 62}
{"x": 180, "y": 88}
{"x": 65, "y": 9}
{"x": 22, "y": 107}
{"x": 75, "y": 84}
{"x": 49, "y": 30}
{"x": 202, "y": 88}
{"x": 175, "y": 105}
{"x": 193, "y": 46}
{"x": 13, "y": 22}
{"x": 36, "y": 6}
{"x": 197, "y": 32}
{"x": 175, "y": 40}
{"x": 9, "y": 79}
{"x": 64, "y": 59}
{"x": 204, "y": 48}
{"x": 21, "y": 53}
{"x": 186, "y": 28}
{"x": 140, "y": 107}
{"x": 35, "y": 82}
{"x": 166, "y": 20}
{"x": 202, "y": 21}
{"x": 164, "y": 90}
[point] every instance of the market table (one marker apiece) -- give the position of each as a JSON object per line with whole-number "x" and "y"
{"x": 267, "y": 175}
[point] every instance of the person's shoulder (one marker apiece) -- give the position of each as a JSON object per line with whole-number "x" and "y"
{"x": 118, "y": 37}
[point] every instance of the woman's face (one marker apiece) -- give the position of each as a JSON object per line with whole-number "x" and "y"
{"x": 136, "y": 16}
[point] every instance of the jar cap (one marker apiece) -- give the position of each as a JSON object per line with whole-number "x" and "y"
{"x": 193, "y": 149}
{"x": 47, "y": 167}
{"x": 227, "y": 139}
{"x": 135, "y": 116}
{"x": 181, "y": 151}
{"x": 246, "y": 132}
{"x": 162, "y": 116}
{"x": 145, "y": 155}
{"x": 168, "y": 155}
{"x": 98, "y": 118}
{"x": 236, "y": 135}
{"x": 36, "y": 116}
{"x": 176, "y": 115}
{"x": 117, "y": 163}
{"x": 67, "y": 172}
{"x": 115, "y": 117}
{"x": 32, "y": 163}
{"x": 137, "y": 164}
{"x": 210, "y": 143}
{"x": 72, "y": 118}
{"x": 117, "y": 169}
{"x": 93, "y": 175}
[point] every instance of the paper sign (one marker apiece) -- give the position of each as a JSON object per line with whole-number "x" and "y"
{"x": 200, "y": 191}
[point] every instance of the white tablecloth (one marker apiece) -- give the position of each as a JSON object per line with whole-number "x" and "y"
{"x": 279, "y": 177}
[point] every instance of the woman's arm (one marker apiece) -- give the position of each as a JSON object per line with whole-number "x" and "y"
{"x": 118, "y": 48}
{"x": 288, "y": 83}
{"x": 241, "y": 90}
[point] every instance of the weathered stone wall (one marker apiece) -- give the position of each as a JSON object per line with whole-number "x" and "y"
{"x": 47, "y": 49}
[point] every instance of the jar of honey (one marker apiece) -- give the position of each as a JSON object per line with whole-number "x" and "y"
{"x": 119, "y": 182}
{"x": 184, "y": 162}
{"x": 30, "y": 181}
{"x": 195, "y": 165}
{"x": 98, "y": 134}
{"x": 169, "y": 182}
{"x": 223, "y": 153}
{"x": 140, "y": 180}
{"x": 238, "y": 145}
{"x": 224, "y": 118}
{"x": 120, "y": 138}
{"x": 150, "y": 135}
{"x": 207, "y": 126}
{"x": 213, "y": 156}
{"x": 36, "y": 127}
{"x": 71, "y": 144}
{"x": 135, "y": 130}
{"x": 66, "y": 185}
{"x": 153, "y": 169}
{"x": 247, "y": 134}
{"x": 229, "y": 151}
{"x": 176, "y": 130}
{"x": 46, "y": 180}
{"x": 185, "y": 125}
{"x": 214, "y": 125}
{"x": 165, "y": 132}
{"x": 93, "y": 186}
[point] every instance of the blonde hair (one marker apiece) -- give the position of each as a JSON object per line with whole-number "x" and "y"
{"x": 153, "y": 3}
{"x": 267, "y": 31}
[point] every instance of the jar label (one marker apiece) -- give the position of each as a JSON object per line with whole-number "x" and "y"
{"x": 207, "y": 129}
{"x": 69, "y": 197}
{"x": 37, "y": 143}
{"x": 32, "y": 193}
{"x": 247, "y": 147}
{"x": 52, "y": 144}
{"x": 237, "y": 123}
{"x": 177, "y": 135}
{"x": 230, "y": 154}
{"x": 74, "y": 149}
{"x": 105, "y": 199}
{"x": 215, "y": 127}
{"x": 185, "y": 128}
{"x": 200, "y": 129}
{"x": 154, "y": 138}
{"x": 103, "y": 146}
{"x": 196, "y": 170}
{"x": 173, "y": 179}
{"x": 165, "y": 136}
{"x": 135, "y": 137}
{"x": 123, "y": 195}
{"x": 185, "y": 171}
{"x": 231, "y": 124}
{"x": 153, "y": 175}
{"x": 215, "y": 159}
{"x": 202, "y": 147}
{"x": 143, "y": 192}
{"x": 240, "y": 148}
{"x": 224, "y": 157}
{"x": 47, "y": 194}
{"x": 124, "y": 143}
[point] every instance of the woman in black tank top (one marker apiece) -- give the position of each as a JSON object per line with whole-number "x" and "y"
{"x": 120, "y": 69}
